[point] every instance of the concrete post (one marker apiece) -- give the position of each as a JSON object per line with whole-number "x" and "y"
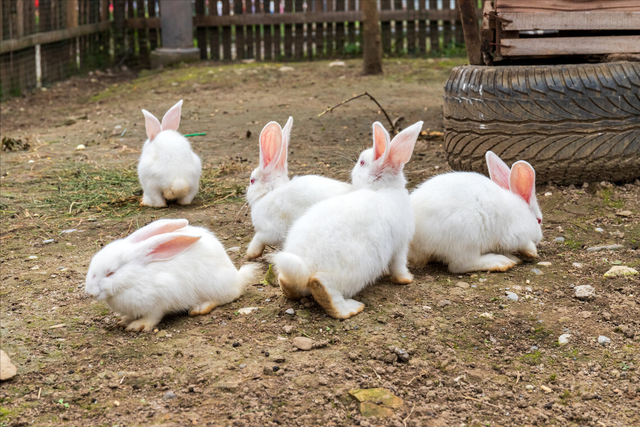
{"x": 176, "y": 18}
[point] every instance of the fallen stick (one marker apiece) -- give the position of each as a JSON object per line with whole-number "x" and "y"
{"x": 328, "y": 110}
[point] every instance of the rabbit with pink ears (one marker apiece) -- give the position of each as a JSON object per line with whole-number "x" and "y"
{"x": 166, "y": 266}
{"x": 168, "y": 169}
{"x": 277, "y": 201}
{"x": 342, "y": 244}
{"x": 473, "y": 223}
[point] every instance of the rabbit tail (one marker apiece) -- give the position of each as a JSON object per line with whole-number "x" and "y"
{"x": 247, "y": 275}
{"x": 292, "y": 268}
{"x": 178, "y": 189}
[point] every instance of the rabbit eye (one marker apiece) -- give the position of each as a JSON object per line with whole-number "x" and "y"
{"x": 253, "y": 180}
{"x": 361, "y": 162}
{"x": 539, "y": 221}
{"x": 109, "y": 274}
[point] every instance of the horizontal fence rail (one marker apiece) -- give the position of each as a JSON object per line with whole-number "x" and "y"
{"x": 46, "y": 40}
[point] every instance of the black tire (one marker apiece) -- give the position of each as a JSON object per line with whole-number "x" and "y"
{"x": 573, "y": 123}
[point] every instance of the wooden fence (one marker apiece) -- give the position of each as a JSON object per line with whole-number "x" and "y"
{"x": 47, "y": 40}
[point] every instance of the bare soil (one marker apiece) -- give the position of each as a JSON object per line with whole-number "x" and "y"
{"x": 466, "y": 355}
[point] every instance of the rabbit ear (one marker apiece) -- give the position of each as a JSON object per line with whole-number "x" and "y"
{"x": 170, "y": 246}
{"x": 522, "y": 180}
{"x": 281, "y": 163}
{"x": 151, "y": 124}
{"x": 380, "y": 141}
{"x": 160, "y": 226}
{"x": 171, "y": 119}
{"x": 498, "y": 170}
{"x": 402, "y": 146}
{"x": 270, "y": 145}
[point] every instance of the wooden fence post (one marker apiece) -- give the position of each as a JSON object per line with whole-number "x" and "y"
{"x": 372, "y": 45}
{"x": 434, "y": 35}
{"x": 471, "y": 35}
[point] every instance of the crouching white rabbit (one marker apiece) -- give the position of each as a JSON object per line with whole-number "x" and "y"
{"x": 345, "y": 243}
{"x": 473, "y": 223}
{"x": 166, "y": 266}
{"x": 275, "y": 200}
{"x": 168, "y": 169}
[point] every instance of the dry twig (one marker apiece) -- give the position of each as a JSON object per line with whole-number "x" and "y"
{"x": 328, "y": 110}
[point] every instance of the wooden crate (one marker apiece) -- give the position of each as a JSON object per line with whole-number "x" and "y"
{"x": 513, "y": 28}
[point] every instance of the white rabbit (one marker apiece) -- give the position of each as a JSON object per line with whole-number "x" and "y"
{"x": 168, "y": 169}
{"x": 164, "y": 267}
{"x": 275, "y": 201}
{"x": 345, "y": 243}
{"x": 471, "y": 222}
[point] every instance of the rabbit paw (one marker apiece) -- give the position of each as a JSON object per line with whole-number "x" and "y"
{"x": 530, "y": 250}
{"x": 404, "y": 279}
{"x": 255, "y": 249}
{"x": 333, "y": 302}
{"x": 290, "y": 291}
{"x": 142, "y": 325}
{"x": 204, "y": 308}
{"x": 124, "y": 321}
{"x": 154, "y": 202}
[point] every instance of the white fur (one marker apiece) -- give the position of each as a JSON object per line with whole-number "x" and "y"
{"x": 143, "y": 289}
{"x": 470, "y": 223}
{"x": 276, "y": 201}
{"x": 168, "y": 168}
{"x": 349, "y": 241}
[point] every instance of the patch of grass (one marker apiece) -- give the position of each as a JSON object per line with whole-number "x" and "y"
{"x": 606, "y": 195}
{"x": 533, "y": 359}
{"x": 112, "y": 192}
{"x": 541, "y": 333}
{"x": 552, "y": 378}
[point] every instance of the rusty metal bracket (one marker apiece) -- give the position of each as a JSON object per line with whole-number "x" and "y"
{"x": 498, "y": 17}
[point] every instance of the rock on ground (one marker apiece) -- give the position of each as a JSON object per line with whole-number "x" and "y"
{"x": 7, "y": 369}
{"x": 585, "y": 292}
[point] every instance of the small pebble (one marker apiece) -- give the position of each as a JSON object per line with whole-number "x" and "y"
{"x": 487, "y": 316}
{"x": 444, "y": 302}
{"x": 536, "y": 271}
{"x": 80, "y": 147}
{"x": 303, "y": 343}
{"x": 48, "y": 241}
{"x": 169, "y": 395}
{"x": 604, "y": 248}
{"x": 290, "y": 311}
{"x": 602, "y": 340}
{"x": 463, "y": 285}
{"x": 599, "y": 230}
{"x": 544, "y": 263}
{"x": 559, "y": 239}
{"x": 620, "y": 270}
{"x": 577, "y": 265}
{"x": 547, "y": 194}
{"x": 512, "y": 296}
{"x": 33, "y": 257}
{"x": 563, "y": 339}
{"x": 585, "y": 292}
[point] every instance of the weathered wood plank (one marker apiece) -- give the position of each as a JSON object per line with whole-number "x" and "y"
{"x": 601, "y": 20}
{"x": 566, "y": 5}
{"x": 422, "y": 30}
{"x": 570, "y": 46}
{"x": 385, "y": 5}
{"x": 226, "y": 32}
{"x": 471, "y": 34}
{"x": 12, "y": 45}
{"x": 434, "y": 35}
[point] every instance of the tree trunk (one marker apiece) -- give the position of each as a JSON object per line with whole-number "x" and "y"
{"x": 372, "y": 41}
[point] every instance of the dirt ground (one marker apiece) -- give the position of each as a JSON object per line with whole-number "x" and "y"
{"x": 453, "y": 348}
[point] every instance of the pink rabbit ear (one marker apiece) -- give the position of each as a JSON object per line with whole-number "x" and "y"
{"x": 522, "y": 180}
{"x": 498, "y": 170}
{"x": 171, "y": 119}
{"x": 281, "y": 163}
{"x": 170, "y": 246}
{"x": 160, "y": 226}
{"x": 270, "y": 145}
{"x": 402, "y": 146}
{"x": 151, "y": 124}
{"x": 380, "y": 141}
